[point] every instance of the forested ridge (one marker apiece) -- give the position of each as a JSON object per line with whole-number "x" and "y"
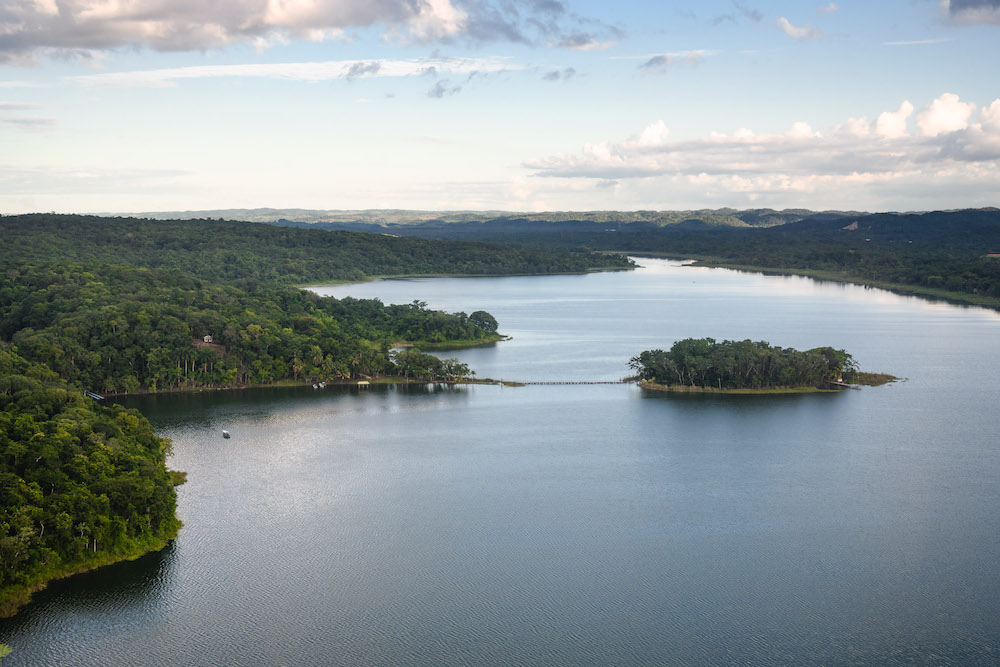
{"x": 941, "y": 253}
{"x": 745, "y": 364}
{"x": 244, "y": 252}
{"x": 81, "y": 485}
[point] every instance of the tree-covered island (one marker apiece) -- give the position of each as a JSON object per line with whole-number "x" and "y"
{"x": 703, "y": 364}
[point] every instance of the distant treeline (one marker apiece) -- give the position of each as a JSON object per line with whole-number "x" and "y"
{"x": 247, "y": 253}
{"x": 394, "y": 218}
{"x": 80, "y": 484}
{"x": 745, "y": 364}
{"x": 120, "y": 329}
{"x": 944, "y": 253}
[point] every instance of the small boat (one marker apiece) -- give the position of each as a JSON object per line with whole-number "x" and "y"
{"x": 315, "y": 386}
{"x": 225, "y": 433}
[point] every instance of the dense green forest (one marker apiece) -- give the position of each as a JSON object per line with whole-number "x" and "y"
{"x": 121, "y": 329}
{"x": 120, "y": 306}
{"x": 226, "y": 251}
{"x": 943, "y": 254}
{"x": 745, "y": 364}
{"x": 80, "y": 484}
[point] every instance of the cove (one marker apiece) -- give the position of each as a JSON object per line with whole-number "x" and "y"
{"x": 578, "y": 524}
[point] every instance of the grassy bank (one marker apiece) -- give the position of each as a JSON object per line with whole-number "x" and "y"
{"x": 873, "y": 379}
{"x": 458, "y": 344}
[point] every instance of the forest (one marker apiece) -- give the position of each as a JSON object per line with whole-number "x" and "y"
{"x": 745, "y": 364}
{"x": 942, "y": 254}
{"x": 81, "y": 485}
{"x": 120, "y": 330}
{"x": 248, "y": 253}
{"x": 119, "y": 306}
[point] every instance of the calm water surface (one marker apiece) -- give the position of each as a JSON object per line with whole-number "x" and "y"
{"x": 579, "y": 524}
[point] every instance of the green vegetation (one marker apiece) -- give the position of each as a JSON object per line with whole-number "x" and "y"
{"x": 121, "y": 306}
{"x": 80, "y": 485}
{"x": 248, "y": 253}
{"x": 940, "y": 255}
{"x": 872, "y": 379}
{"x": 122, "y": 330}
{"x": 742, "y": 365}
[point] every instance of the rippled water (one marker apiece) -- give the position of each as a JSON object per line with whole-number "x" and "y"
{"x": 579, "y": 524}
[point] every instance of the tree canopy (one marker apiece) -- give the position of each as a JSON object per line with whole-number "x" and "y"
{"x": 248, "y": 253}
{"x": 121, "y": 329}
{"x": 79, "y": 483}
{"x": 744, "y": 364}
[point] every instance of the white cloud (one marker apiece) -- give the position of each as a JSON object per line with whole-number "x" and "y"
{"x": 658, "y": 63}
{"x": 892, "y": 124}
{"x": 30, "y": 123}
{"x": 945, "y": 114}
{"x": 800, "y": 130}
{"x": 828, "y": 8}
{"x": 919, "y": 42}
{"x": 21, "y": 84}
{"x": 654, "y": 135}
{"x": 854, "y": 154}
{"x": 307, "y": 72}
{"x": 29, "y": 28}
{"x": 989, "y": 117}
{"x": 583, "y": 42}
{"x": 18, "y": 106}
{"x": 803, "y": 32}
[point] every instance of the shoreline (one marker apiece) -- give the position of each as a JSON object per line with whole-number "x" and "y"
{"x": 694, "y": 389}
{"x": 296, "y": 384}
{"x": 928, "y": 293}
{"x": 410, "y": 276}
{"x": 12, "y": 599}
{"x": 279, "y": 384}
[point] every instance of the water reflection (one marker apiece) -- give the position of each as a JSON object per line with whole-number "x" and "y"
{"x": 579, "y": 524}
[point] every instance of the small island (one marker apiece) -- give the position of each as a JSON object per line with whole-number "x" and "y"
{"x": 746, "y": 366}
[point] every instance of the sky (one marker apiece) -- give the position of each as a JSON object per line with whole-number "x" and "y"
{"x": 518, "y": 105}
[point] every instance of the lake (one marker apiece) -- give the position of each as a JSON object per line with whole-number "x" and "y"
{"x": 579, "y": 524}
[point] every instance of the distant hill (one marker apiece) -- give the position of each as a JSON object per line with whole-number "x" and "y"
{"x": 396, "y": 217}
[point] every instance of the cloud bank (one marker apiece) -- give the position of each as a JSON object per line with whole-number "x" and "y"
{"x": 61, "y": 28}
{"x": 953, "y": 142}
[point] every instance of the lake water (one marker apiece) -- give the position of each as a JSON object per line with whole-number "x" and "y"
{"x": 579, "y": 524}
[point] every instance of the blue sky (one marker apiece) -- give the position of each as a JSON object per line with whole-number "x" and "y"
{"x": 146, "y": 105}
